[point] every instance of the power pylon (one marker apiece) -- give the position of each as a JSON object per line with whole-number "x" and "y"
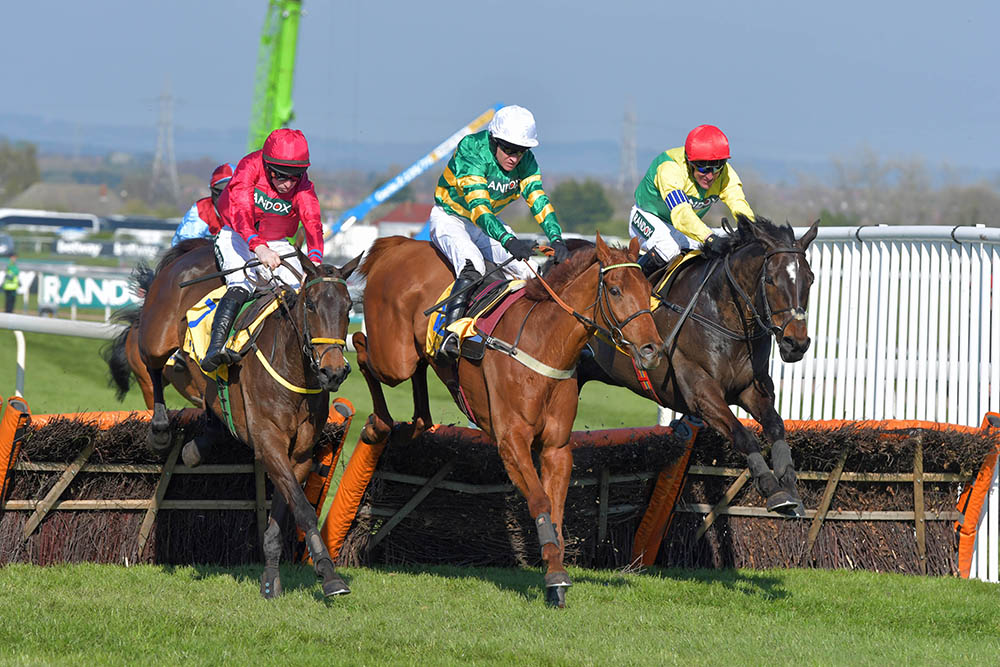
{"x": 628, "y": 176}
{"x": 164, "y": 182}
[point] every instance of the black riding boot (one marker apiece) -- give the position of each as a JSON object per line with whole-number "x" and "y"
{"x": 450, "y": 351}
{"x": 225, "y": 313}
{"x": 651, "y": 263}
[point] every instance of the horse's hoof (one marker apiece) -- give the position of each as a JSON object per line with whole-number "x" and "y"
{"x": 335, "y": 585}
{"x": 270, "y": 583}
{"x": 555, "y": 596}
{"x": 556, "y": 584}
{"x": 190, "y": 454}
{"x": 158, "y": 441}
{"x": 782, "y": 502}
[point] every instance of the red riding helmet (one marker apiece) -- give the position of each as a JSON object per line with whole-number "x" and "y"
{"x": 222, "y": 174}
{"x": 286, "y": 152}
{"x": 706, "y": 142}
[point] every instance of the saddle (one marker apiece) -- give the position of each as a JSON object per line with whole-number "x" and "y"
{"x": 246, "y": 326}
{"x": 664, "y": 278}
{"x": 480, "y": 318}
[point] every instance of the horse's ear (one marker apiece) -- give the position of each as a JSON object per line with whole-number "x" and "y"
{"x": 808, "y": 237}
{"x": 603, "y": 252}
{"x": 747, "y": 225}
{"x": 347, "y": 269}
{"x": 633, "y": 249}
{"x": 308, "y": 269}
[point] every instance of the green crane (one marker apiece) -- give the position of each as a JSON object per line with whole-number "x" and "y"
{"x": 272, "y": 95}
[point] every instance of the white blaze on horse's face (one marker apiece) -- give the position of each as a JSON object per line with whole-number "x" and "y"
{"x": 792, "y": 268}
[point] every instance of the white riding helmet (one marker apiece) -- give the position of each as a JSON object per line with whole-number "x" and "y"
{"x": 515, "y": 125}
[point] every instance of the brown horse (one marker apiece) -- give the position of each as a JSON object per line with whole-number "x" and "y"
{"x": 122, "y": 353}
{"x": 124, "y": 363}
{"x": 720, "y": 354}
{"x": 521, "y": 408}
{"x": 276, "y": 400}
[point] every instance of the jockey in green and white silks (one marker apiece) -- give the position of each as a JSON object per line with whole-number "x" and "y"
{"x": 677, "y": 191}
{"x": 489, "y": 170}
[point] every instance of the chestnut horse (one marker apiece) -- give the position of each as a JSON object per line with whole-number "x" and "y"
{"x": 720, "y": 354}
{"x": 520, "y": 407}
{"x": 276, "y": 400}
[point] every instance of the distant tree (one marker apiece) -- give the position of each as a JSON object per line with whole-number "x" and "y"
{"x": 581, "y": 206}
{"x": 18, "y": 168}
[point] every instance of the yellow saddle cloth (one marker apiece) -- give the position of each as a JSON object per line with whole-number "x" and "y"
{"x": 199, "y": 331}
{"x": 677, "y": 263}
{"x": 465, "y": 327}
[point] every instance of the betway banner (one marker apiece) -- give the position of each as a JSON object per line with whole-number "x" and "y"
{"x": 107, "y": 249}
{"x": 85, "y": 292}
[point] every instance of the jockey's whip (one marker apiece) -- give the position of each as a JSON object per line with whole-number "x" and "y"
{"x": 448, "y": 299}
{"x": 218, "y": 274}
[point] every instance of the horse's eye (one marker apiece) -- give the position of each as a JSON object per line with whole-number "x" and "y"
{"x": 310, "y": 306}
{"x": 615, "y": 291}
{"x": 769, "y": 280}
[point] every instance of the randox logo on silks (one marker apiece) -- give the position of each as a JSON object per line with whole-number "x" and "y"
{"x": 642, "y": 226}
{"x": 699, "y": 204}
{"x": 269, "y": 205}
{"x": 503, "y": 188}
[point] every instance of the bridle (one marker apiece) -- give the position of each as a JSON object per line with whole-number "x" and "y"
{"x": 614, "y": 332}
{"x": 309, "y": 342}
{"x": 766, "y": 322}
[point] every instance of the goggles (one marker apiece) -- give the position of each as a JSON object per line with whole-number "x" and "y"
{"x": 510, "y": 149}
{"x": 709, "y": 166}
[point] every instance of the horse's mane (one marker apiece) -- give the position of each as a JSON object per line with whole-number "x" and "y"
{"x": 760, "y": 230}
{"x": 378, "y": 248}
{"x": 563, "y": 273}
{"x": 184, "y": 246}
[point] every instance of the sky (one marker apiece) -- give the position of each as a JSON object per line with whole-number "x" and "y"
{"x": 784, "y": 80}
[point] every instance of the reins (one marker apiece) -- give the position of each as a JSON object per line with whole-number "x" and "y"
{"x": 615, "y": 333}
{"x": 762, "y": 328}
{"x": 308, "y": 342}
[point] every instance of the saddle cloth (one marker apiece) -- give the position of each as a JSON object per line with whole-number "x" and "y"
{"x": 662, "y": 286}
{"x": 468, "y": 328}
{"x": 199, "y": 331}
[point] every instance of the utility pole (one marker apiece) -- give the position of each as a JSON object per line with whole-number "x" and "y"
{"x": 164, "y": 181}
{"x": 628, "y": 177}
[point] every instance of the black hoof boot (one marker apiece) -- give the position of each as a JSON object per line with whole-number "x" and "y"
{"x": 782, "y": 502}
{"x": 158, "y": 441}
{"x": 335, "y": 585}
{"x": 270, "y": 583}
{"x": 556, "y": 585}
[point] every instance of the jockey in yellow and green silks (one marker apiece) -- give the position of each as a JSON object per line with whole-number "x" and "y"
{"x": 677, "y": 191}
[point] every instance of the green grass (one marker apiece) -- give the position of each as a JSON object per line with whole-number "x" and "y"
{"x": 162, "y": 615}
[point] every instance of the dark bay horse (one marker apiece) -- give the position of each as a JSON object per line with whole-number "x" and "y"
{"x": 721, "y": 352}
{"x": 519, "y": 407}
{"x": 276, "y": 400}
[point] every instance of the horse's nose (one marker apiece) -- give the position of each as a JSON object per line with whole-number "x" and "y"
{"x": 792, "y": 349}
{"x": 650, "y": 356}
{"x": 331, "y": 378}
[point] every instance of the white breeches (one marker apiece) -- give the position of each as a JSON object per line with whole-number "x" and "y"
{"x": 461, "y": 240}
{"x": 232, "y": 251}
{"x": 655, "y": 233}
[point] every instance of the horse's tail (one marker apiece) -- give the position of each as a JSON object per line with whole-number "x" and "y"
{"x": 142, "y": 277}
{"x": 116, "y": 354}
{"x": 378, "y": 248}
